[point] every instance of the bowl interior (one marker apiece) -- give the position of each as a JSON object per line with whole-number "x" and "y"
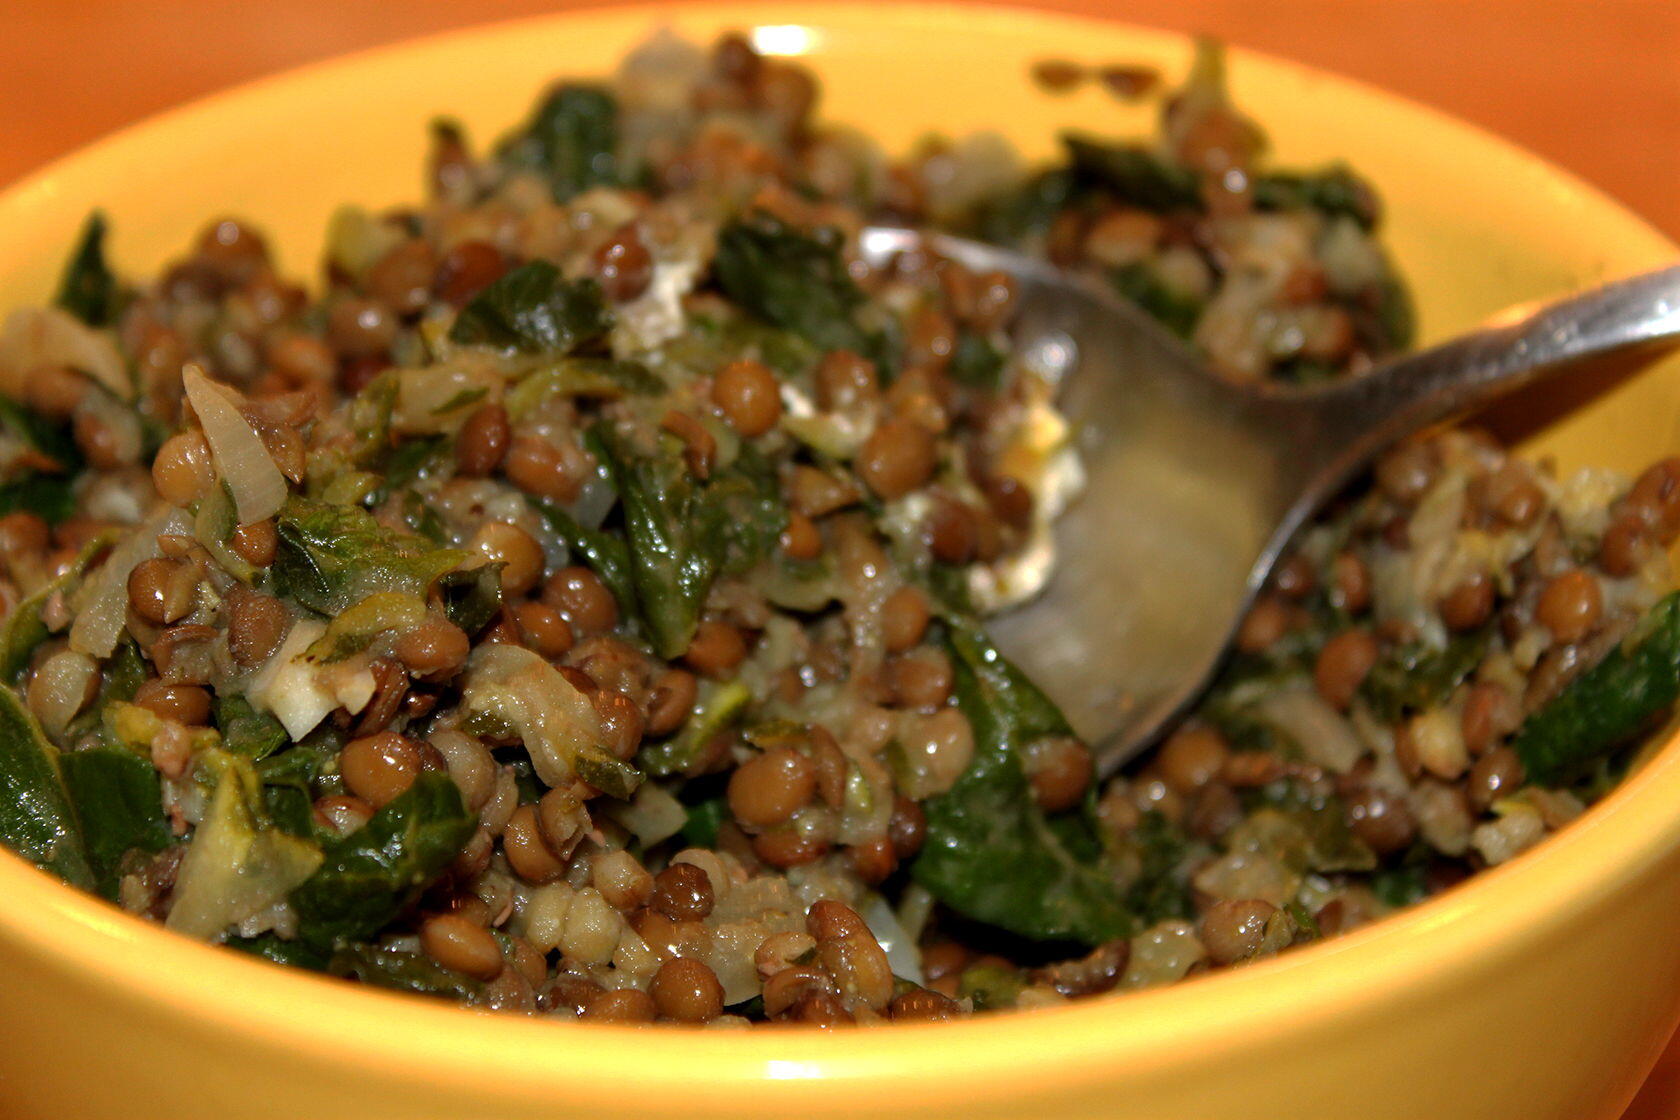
{"x": 1476, "y": 225}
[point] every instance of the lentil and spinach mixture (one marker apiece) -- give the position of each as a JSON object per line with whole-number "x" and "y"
{"x": 574, "y": 609}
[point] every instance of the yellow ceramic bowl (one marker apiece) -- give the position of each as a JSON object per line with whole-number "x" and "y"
{"x": 1542, "y": 989}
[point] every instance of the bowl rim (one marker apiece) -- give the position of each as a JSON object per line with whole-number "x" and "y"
{"x": 1380, "y": 965}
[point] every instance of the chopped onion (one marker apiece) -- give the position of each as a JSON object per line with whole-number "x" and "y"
{"x": 288, "y": 685}
{"x": 654, "y": 815}
{"x": 258, "y": 487}
{"x": 101, "y": 604}
{"x": 558, "y": 724}
{"x": 1324, "y": 736}
{"x": 902, "y": 954}
{"x": 45, "y": 336}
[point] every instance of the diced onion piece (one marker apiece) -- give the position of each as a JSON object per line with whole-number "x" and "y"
{"x": 46, "y": 336}
{"x": 258, "y": 487}
{"x": 653, "y": 815}
{"x": 1325, "y": 737}
{"x": 902, "y": 954}
{"x": 101, "y": 603}
{"x": 289, "y": 686}
{"x": 558, "y": 724}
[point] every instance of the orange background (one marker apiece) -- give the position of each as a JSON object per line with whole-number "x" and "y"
{"x": 1593, "y": 85}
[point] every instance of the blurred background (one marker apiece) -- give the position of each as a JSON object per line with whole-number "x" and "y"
{"x": 1592, "y": 85}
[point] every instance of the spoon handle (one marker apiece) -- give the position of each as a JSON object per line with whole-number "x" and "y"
{"x": 1362, "y": 416}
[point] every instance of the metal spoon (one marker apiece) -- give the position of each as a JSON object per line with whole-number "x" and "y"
{"x": 1195, "y": 485}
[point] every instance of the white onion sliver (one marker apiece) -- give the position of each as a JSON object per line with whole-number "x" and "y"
{"x": 258, "y": 487}
{"x": 46, "y": 336}
{"x": 101, "y": 604}
{"x": 902, "y": 954}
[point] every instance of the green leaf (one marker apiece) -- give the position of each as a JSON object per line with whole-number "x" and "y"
{"x": 1335, "y": 191}
{"x": 1135, "y": 175}
{"x": 36, "y": 818}
{"x": 87, "y": 288}
{"x": 44, "y": 484}
{"x": 580, "y": 376}
{"x": 246, "y": 731}
{"x": 720, "y": 705}
{"x": 534, "y": 310}
{"x": 372, "y": 875}
{"x": 990, "y": 853}
{"x": 1142, "y": 284}
{"x": 401, "y": 970}
{"x": 606, "y": 553}
{"x": 119, "y": 801}
{"x": 793, "y": 280}
{"x": 1028, "y": 210}
{"x": 571, "y": 139}
{"x": 23, "y": 629}
{"x": 332, "y": 556}
{"x": 472, "y": 596}
{"x": 272, "y": 947}
{"x": 237, "y": 863}
{"x": 1160, "y": 891}
{"x": 288, "y": 777}
{"x": 1412, "y": 678}
{"x": 700, "y": 830}
{"x": 1608, "y": 704}
{"x": 675, "y": 543}
{"x": 976, "y": 362}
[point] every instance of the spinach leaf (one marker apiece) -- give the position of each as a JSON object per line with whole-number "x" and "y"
{"x": 245, "y": 730}
{"x": 990, "y": 853}
{"x": 23, "y": 629}
{"x": 87, "y": 288}
{"x": 720, "y": 705}
{"x": 119, "y": 801}
{"x": 1608, "y": 704}
{"x": 375, "y": 873}
{"x": 793, "y": 280}
{"x": 1400, "y": 886}
{"x": 1160, "y": 891}
{"x": 674, "y": 535}
{"x": 1335, "y": 191}
{"x": 1413, "y": 677}
{"x": 1142, "y": 284}
{"x": 401, "y": 970}
{"x": 332, "y": 556}
{"x": 700, "y": 830}
{"x": 1135, "y": 175}
{"x": 1027, "y": 211}
{"x": 41, "y": 481}
{"x": 976, "y": 362}
{"x": 280, "y": 950}
{"x": 534, "y": 310}
{"x": 572, "y": 139}
{"x": 36, "y": 818}
{"x": 748, "y": 511}
{"x": 473, "y": 597}
{"x": 604, "y": 552}
{"x": 288, "y": 779}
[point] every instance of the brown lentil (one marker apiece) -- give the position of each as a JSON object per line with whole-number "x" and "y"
{"x": 543, "y": 628}
{"x": 1570, "y": 605}
{"x": 625, "y": 1005}
{"x": 527, "y": 853}
{"x": 898, "y": 457}
{"x": 162, "y": 591}
{"x": 1192, "y": 757}
{"x": 461, "y": 945}
{"x": 541, "y": 468}
{"x": 482, "y": 442}
{"x": 1060, "y": 770}
{"x": 904, "y": 618}
{"x": 1342, "y": 666}
{"x": 581, "y": 596}
{"x": 186, "y": 704}
{"x": 1232, "y": 931}
{"x": 466, "y": 270}
{"x": 771, "y": 787}
{"x": 435, "y": 649}
{"x": 378, "y": 767}
{"x": 516, "y": 550}
{"x": 671, "y": 700}
{"x": 716, "y": 648}
{"x": 623, "y": 265}
{"x": 1469, "y": 604}
{"x": 686, "y": 991}
{"x": 920, "y": 679}
{"x": 747, "y": 394}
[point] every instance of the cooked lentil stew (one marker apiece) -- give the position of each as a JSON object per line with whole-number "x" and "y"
{"x": 576, "y": 608}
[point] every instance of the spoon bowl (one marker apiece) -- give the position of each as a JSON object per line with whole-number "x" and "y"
{"x": 1195, "y": 484}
